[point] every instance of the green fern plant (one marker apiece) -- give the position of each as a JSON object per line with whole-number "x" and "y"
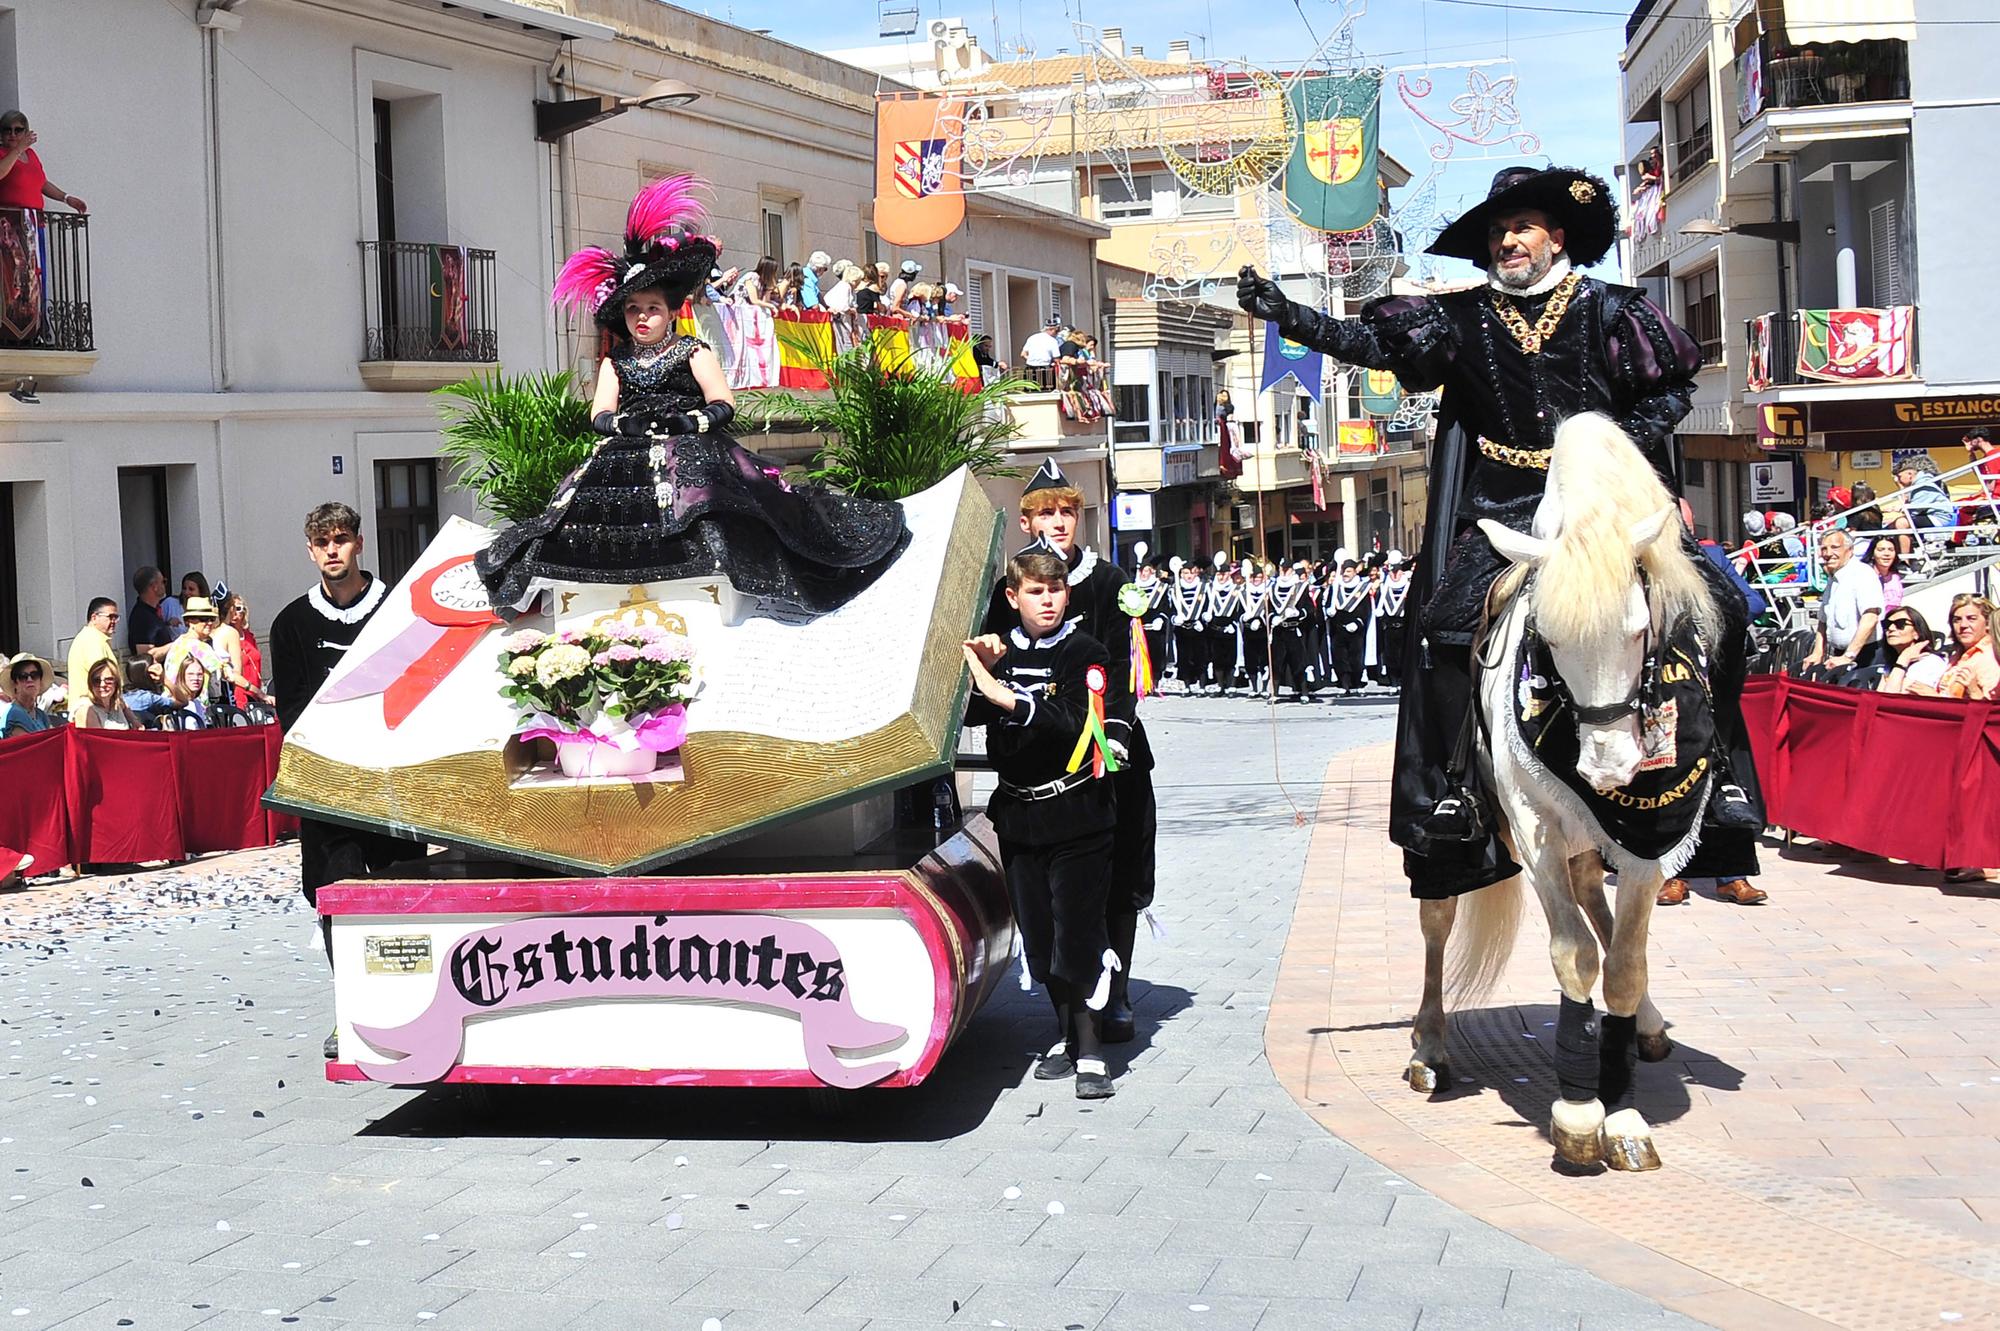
{"x": 893, "y": 430}
{"x": 512, "y": 439}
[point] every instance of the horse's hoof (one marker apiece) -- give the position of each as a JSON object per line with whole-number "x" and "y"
{"x": 1578, "y": 1132}
{"x": 1426, "y": 1079}
{"x": 1655, "y": 1048}
{"x": 1628, "y": 1143}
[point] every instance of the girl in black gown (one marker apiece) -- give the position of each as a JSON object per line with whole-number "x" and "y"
{"x": 665, "y": 494}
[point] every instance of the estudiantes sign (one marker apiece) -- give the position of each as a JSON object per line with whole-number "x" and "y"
{"x": 754, "y": 960}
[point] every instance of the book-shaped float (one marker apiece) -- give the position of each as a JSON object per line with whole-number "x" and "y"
{"x": 790, "y": 716}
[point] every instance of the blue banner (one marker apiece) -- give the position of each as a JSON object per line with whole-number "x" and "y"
{"x": 1285, "y": 358}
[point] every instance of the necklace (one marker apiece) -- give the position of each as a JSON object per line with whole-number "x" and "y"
{"x": 1516, "y": 324}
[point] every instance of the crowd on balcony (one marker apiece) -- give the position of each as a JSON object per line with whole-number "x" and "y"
{"x": 189, "y": 662}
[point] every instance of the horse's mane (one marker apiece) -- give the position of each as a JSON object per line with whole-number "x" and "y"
{"x": 1602, "y": 486}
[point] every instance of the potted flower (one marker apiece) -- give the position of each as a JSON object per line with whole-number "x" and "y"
{"x": 612, "y": 698}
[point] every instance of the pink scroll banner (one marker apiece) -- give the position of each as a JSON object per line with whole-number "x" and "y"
{"x": 747, "y": 960}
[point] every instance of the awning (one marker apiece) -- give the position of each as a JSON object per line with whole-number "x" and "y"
{"x": 1809, "y": 21}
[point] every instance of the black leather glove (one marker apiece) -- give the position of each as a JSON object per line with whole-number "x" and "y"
{"x": 1260, "y": 296}
{"x": 605, "y": 422}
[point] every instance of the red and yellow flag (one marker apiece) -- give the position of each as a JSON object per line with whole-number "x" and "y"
{"x": 919, "y": 197}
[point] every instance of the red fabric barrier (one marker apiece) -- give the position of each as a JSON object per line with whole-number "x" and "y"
{"x": 124, "y": 803}
{"x": 1915, "y": 779}
{"x": 111, "y": 796}
{"x": 34, "y": 817}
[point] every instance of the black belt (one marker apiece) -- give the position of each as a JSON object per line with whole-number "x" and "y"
{"x": 1048, "y": 790}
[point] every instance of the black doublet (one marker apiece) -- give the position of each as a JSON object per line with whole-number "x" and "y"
{"x": 1093, "y": 588}
{"x": 1613, "y": 352}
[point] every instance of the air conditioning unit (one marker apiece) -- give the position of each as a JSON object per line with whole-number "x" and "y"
{"x": 940, "y": 29}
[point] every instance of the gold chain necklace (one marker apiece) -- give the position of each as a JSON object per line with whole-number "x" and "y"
{"x": 1516, "y": 323}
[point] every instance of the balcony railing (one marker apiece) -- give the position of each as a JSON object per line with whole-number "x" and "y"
{"x": 44, "y": 281}
{"x": 1830, "y": 346}
{"x": 424, "y": 302}
{"x": 1772, "y": 77}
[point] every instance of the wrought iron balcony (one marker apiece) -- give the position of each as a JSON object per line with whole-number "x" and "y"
{"x": 427, "y": 302}
{"x": 1826, "y": 347}
{"x": 44, "y": 281}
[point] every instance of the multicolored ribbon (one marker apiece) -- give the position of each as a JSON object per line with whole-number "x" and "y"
{"x": 1093, "y": 736}
{"x": 1142, "y": 662}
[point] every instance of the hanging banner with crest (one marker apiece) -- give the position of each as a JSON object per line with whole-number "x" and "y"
{"x": 919, "y": 197}
{"x": 1330, "y": 182}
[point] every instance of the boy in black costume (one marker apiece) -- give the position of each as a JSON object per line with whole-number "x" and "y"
{"x": 1032, "y": 690}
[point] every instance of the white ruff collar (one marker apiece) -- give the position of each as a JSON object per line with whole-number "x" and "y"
{"x": 353, "y": 614}
{"x": 1557, "y": 272}
{"x": 1024, "y": 642}
{"x": 1084, "y": 565}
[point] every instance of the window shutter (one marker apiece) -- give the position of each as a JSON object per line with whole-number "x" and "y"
{"x": 975, "y": 300}
{"x": 1059, "y": 302}
{"x": 1885, "y": 254}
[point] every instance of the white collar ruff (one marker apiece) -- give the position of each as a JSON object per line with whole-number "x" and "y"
{"x": 1557, "y": 272}
{"x": 353, "y": 614}
{"x": 1024, "y": 642}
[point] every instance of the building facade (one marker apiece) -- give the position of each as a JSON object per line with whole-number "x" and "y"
{"x": 322, "y": 207}
{"x": 1841, "y": 341}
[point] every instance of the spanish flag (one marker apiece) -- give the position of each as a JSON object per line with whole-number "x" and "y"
{"x": 919, "y": 196}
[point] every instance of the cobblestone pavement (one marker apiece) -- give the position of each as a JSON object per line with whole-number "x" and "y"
{"x": 1829, "y": 1117}
{"x": 170, "y": 1156}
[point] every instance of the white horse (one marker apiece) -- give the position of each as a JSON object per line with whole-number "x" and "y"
{"x": 1605, "y": 519}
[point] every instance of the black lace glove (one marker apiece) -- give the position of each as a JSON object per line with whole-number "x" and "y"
{"x": 1260, "y": 296}
{"x": 605, "y": 423}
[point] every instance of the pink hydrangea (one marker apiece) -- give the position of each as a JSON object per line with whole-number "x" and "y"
{"x": 524, "y": 640}
{"x": 617, "y": 653}
{"x": 667, "y": 652}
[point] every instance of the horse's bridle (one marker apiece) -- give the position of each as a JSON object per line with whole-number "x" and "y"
{"x": 1645, "y": 689}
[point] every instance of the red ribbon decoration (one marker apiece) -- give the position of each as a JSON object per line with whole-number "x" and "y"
{"x": 463, "y": 626}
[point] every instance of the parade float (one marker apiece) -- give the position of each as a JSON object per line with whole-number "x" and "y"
{"x": 678, "y": 861}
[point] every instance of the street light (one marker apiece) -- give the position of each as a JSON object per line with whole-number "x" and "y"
{"x": 1785, "y": 233}
{"x": 553, "y": 120}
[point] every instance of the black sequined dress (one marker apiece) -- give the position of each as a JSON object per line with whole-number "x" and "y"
{"x": 655, "y": 509}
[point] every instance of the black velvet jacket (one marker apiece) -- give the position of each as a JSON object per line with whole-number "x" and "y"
{"x": 1613, "y": 352}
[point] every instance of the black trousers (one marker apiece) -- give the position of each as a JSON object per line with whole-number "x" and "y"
{"x": 1256, "y": 651}
{"x": 1222, "y": 654}
{"x": 1190, "y": 656}
{"x": 1132, "y": 854}
{"x": 1058, "y": 892}
{"x": 1288, "y": 659}
{"x": 1350, "y": 650}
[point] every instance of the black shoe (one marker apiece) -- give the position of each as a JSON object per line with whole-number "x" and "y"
{"x": 1093, "y": 1080}
{"x": 1056, "y": 1064}
{"x": 331, "y": 1049}
{"x": 1459, "y": 816}
{"x": 1731, "y": 808}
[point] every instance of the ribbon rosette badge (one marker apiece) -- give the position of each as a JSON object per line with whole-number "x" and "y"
{"x": 452, "y": 613}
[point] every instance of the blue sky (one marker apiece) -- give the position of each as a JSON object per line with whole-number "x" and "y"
{"x": 1567, "y": 62}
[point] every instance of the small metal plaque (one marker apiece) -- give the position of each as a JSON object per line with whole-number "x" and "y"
{"x": 397, "y": 954}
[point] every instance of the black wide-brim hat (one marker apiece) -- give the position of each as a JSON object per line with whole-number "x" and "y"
{"x": 1578, "y": 202}
{"x": 677, "y": 271}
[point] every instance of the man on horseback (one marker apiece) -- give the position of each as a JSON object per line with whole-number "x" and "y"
{"x": 1536, "y": 344}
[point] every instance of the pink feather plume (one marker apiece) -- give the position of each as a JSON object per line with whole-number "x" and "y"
{"x": 585, "y": 278}
{"x": 662, "y": 205}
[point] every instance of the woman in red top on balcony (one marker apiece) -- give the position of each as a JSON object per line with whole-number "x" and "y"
{"x": 23, "y": 183}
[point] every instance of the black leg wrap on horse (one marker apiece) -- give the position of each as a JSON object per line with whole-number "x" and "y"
{"x": 1576, "y": 1050}
{"x": 1618, "y": 1054}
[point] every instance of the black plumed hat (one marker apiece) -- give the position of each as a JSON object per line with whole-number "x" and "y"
{"x": 1573, "y": 199}
{"x": 663, "y": 248}
{"x": 1047, "y": 477}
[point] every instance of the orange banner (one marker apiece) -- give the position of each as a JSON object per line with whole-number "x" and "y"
{"x": 919, "y": 198}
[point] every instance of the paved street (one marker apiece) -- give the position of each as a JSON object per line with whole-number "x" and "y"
{"x": 172, "y": 1157}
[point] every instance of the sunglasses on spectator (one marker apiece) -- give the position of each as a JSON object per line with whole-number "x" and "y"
{"x": 24, "y": 678}
{"x": 13, "y": 129}
{"x": 1898, "y": 624}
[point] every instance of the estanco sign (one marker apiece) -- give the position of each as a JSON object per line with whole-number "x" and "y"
{"x": 1923, "y": 422}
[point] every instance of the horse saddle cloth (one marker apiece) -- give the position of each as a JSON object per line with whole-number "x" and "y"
{"x": 1657, "y": 815}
